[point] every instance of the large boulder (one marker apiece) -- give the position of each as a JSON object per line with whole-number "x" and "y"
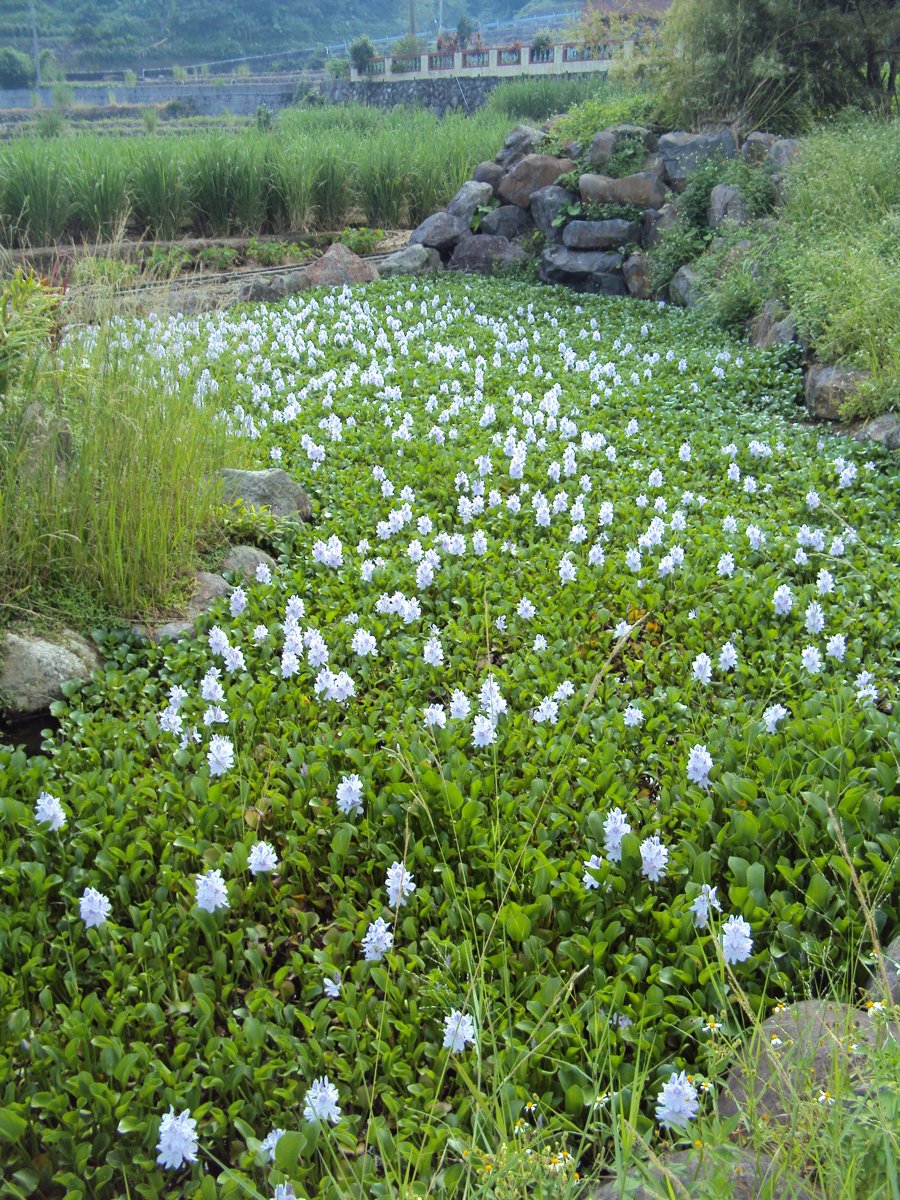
{"x": 243, "y": 560}
{"x": 825, "y": 389}
{"x": 636, "y": 273}
{"x": 780, "y": 156}
{"x": 489, "y": 172}
{"x": 485, "y": 254}
{"x": 530, "y": 174}
{"x": 684, "y": 287}
{"x": 798, "y": 1054}
{"x": 339, "y": 266}
{"x": 739, "y": 1173}
{"x": 683, "y": 152}
{"x": 602, "y": 148}
{"x": 33, "y": 668}
{"x": 410, "y": 260}
{"x": 440, "y": 232}
{"x": 643, "y": 190}
{"x": 756, "y": 146}
{"x": 726, "y": 204}
{"x": 469, "y": 197}
{"x": 771, "y": 327}
{"x": 272, "y": 489}
{"x": 885, "y": 431}
{"x": 583, "y": 270}
{"x": 520, "y": 141}
{"x": 655, "y": 221}
{"x": 599, "y": 235}
{"x": 208, "y": 588}
{"x": 507, "y": 221}
{"x": 546, "y": 204}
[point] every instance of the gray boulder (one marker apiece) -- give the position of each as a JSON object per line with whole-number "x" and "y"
{"x": 468, "y": 198}
{"x": 799, "y": 1051}
{"x": 682, "y": 152}
{"x": 485, "y": 254}
{"x": 726, "y": 204}
{"x": 410, "y": 260}
{"x": 599, "y": 235}
{"x": 530, "y": 174}
{"x": 684, "y": 287}
{"x": 507, "y": 221}
{"x": 273, "y": 489}
{"x": 208, "y": 588}
{"x": 636, "y": 273}
{"x": 545, "y": 206}
{"x": 756, "y": 146}
{"x": 583, "y": 270}
{"x": 884, "y": 430}
{"x": 337, "y": 267}
{"x": 602, "y": 148}
{"x": 520, "y": 141}
{"x": 243, "y": 560}
{"x": 736, "y": 1172}
{"x": 825, "y": 389}
{"x": 780, "y": 156}
{"x": 643, "y": 189}
{"x": 772, "y": 327}
{"x": 655, "y": 220}
{"x": 440, "y": 231}
{"x": 489, "y": 172}
{"x": 33, "y": 668}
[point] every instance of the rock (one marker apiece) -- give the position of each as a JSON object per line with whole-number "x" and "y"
{"x": 520, "y": 141}
{"x": 602, "y": 147}
{"x": 886, "y": 431}
{"x": 507, "y": 221}
{"x": 636, "y": 273}
{"x": 485, "y": 254}
{"x": 655, "y": 164}
{"x": 489, "y": 172}
{"x": 814, "y": 1039}
{"x": 410, "y": 260}
{"x": 624, "y": 131}
{"x": 545, "y": 206}
{"x": 826, "y": 388}
{"x": 726, "y": 204}
{"x": 770, "y": 328}
{"x": 272, "y": 488}
{"x": 583, "y": 270}
{"x": 891, "y": 953}
{"x": 33, "y": 667}
{"x": 243, "y": 560}
{"x": 683, "y": 289}
{"x": 530, "y": 174}
{"x": 655, "y": 220}
{"x": 643, "y": 190}
{"x": 599, "y": 235}
{"x": 468, "y": 198}
{"x": 739, "y": 1173}
{"x": 780, "y": 156}
{"x": 440, "y": 232}
{"x": 208, "y": 588}
{"x": 756, "y": 146}
{"x": 339, "y": 266}
{"x": 682, "y": 152}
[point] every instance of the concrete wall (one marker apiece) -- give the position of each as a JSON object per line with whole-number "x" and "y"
{"x": 242, "y": 98}
{"x": 438, "y": 95}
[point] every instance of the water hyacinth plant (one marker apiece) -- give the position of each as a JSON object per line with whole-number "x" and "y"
{"x": 435, "y": 842}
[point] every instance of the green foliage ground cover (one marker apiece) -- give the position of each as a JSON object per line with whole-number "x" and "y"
{"x": 544, "y": 510}
{"x": 309, "y": 173}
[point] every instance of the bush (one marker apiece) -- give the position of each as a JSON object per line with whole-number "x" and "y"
{"x": 16, "y": 68}
{"x": 338, "y": 68}
{"x": 610, "y": 105}
{"x": 361, "y": 52}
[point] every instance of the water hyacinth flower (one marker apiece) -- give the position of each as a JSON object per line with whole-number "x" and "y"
{"x": 614, "y": 829}
{"x": 211, "y": 891}
{"x": 594, "y": 863}
{"x": 702, "y": 669}
{"x": 773, "y": 715}
{"x": 49, "y": 811}
{"x": 699, "y": 765}
{"x": 677, "y": 1102}
{"x": 269, "y": 1143}
{"x": 704, "y": 904}
{"x": 262, "y": 859}
{"x": 177, "y": 1144}
{"x": 220, "y": 755}
{"x": 378, "y": 940}
{"x": 633, "y": 716}
{"x": 321, "y": 1102}
{"x": 399, "y": 884}
{"x": 811, "y": 660}
{"x": 350, "y": 795}
{"x": 736, "y": 939}
{"x": 459, "y": 1031}
{"x": 460, "y": 707}
{"x": 782, "y": 600}
{"x": 94, "y": 908}
{"x": 654, "y": 856}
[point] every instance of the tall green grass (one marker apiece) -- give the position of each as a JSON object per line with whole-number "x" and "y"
{"x": 317, "y": 167}
{"x": 538, "y": 98}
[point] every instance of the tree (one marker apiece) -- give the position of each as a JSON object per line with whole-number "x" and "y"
{"x": 361, "y": 52}
{"x": 777, "y": 63}
{"x": 16, "y": 69}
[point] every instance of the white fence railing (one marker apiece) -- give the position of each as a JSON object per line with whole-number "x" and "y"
{"x": 566, "y": 58}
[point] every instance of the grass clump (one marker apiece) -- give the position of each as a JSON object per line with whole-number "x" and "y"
{"x": 613, "y": 104}
{"x": 539, "y": 99}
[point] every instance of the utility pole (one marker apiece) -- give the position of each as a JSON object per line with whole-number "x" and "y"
{"x": 34, "y": 45}
{"x": 412, "y": 18}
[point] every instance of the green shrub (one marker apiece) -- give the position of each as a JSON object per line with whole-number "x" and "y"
{"x": 360, "y": 239}
{"x": 16, "y": 68}
{"x": 679, "y": 243}
{"x": 51, "y": 123}
{"x": 612, "y": 105}
{"x": 361, "y": 52}
{"x": 629, "y": 156}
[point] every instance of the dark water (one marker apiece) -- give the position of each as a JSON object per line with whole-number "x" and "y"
{"x": 28, "y": 732}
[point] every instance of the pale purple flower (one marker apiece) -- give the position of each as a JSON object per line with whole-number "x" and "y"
{"x": 350, "y": 795}
{"x": 614, "y": 829}
{"x": 703, "y": 904}
{"x": 459, "y": 1031}
{"x": 93, "y": 908}
{"x": 783, "y": 600}
{"x": 262, "y": 859}
{"x": 737, "y": 942}
{"x": 677, "y": 1102}
{"x": 321, "y": 1102}
{"x": 773, "y": 715}
{"x": 220, "y": 755}
{"x": 49, "y": 811}
{"x": 211, "y": 891}
{"x": 654, "y": 857}
{"x": 399, "y": 884}
{"x": 378, "y": 940}
{"x": 699, "y": 765}
{"x": 177, "y": 1142}
{"x": 594, "y": 863}
{"x": 702, "y": 668}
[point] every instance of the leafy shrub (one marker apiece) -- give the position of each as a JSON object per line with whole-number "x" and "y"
{"x": 273, "y": 254}
{"x": 679, "y": 243}
{"x": 51, "y": 123}
{"x": 218, "y": 258}
{"x": 629, "y": 156}
{"x": 611, "y": 105}
{"x": 361, "y": 52}
{"x": 338, "y": 68}
{"x": 360, "y": 239}
{"x": 754, "y": 183}
{"x": 165, "y": 262}
{"x": 16, "y": 68}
